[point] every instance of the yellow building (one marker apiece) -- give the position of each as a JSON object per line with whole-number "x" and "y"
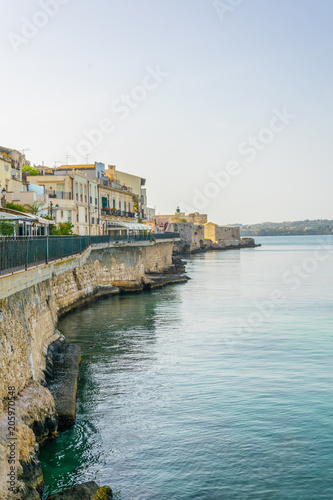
{"x": 5, "y": 170}
{"x": 134, "y": 183}
{"x": 162, "y": 221}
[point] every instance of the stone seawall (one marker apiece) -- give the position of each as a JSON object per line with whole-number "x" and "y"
{"x": 32, "y": 301}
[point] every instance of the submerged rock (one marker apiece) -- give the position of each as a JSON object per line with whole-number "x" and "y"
{"x": 85, "y": 491}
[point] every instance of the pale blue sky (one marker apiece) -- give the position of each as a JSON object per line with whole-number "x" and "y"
{"x": 225, "y": 79}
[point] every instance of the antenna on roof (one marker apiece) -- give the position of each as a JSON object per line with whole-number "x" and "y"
{"x": 55, "y": 163}
{"x": 24, "y": 150}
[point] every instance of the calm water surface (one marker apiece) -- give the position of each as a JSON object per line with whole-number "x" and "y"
{"x": 220, "y": 388}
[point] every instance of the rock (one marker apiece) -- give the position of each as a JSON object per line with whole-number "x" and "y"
{"x": 161, "y": 280}
{"x": 85, "y": 491}
{"x": 64, "y": 381}
{"x": 34, "y": 412}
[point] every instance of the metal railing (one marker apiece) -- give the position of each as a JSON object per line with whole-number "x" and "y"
{"x": 62, "y": 195}
{"x": 120, "y": 187}
{"x": 117, "y": 213}
{"x": 22, "y": 252}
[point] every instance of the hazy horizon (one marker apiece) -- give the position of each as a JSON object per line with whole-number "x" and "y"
{"x": 224, "y": 106}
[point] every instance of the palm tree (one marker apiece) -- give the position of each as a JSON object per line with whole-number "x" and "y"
{"x": 35, "y": 208}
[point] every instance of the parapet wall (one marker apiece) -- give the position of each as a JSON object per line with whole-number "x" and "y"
{"x": 32, "y": 301}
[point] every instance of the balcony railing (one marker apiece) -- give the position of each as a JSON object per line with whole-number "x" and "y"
{"x": 22, "y": 252}
{"x": 117, "y": 213}
{"x": 61, "y": 195}
{"x": 120, "y": 187}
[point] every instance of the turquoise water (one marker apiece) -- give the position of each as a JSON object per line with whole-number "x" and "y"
{"x": 220, "y": 388}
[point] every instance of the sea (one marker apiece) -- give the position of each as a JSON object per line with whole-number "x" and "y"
{"x": 219, "y": 388}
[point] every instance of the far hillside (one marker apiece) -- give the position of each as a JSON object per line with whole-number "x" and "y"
{"x": 303, "y": 227}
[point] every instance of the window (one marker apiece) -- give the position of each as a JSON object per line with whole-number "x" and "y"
{"x": 120, "y": 205}
{"x": 129, "y": 207}
{"x": 90, "y": 198}
{"x": 125, "y": 206}
{"x": 114, "y": 203}
{"x": 69, "y": 215}
{"x": 62, "y": 214}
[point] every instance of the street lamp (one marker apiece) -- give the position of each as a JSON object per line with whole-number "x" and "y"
{"x": 51, "y": 209}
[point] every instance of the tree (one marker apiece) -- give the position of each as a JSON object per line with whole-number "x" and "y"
{"x": 62, "y": 229}
{"x": 35, "y": 208}
{"x": 17, "y": 207}
{"x": 7, "y": 228}
{"x": 31, "y": 170}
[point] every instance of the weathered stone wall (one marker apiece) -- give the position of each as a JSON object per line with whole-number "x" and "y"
{"x": 31, "y": 301}
{"x": 30, "y": 305}
{"x": 228, "y": 233}
{"x": 192, "y": 234}
{"x": 222, "y": 233}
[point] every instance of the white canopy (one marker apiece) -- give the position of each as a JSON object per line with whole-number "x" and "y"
{"x": 20, "y": 216}
{"x": 131, "y": 226}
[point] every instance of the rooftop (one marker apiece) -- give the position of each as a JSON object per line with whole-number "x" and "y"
{"x": 76, "y": 167}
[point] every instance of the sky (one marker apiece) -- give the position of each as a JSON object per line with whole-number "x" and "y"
{"x": 224, "y": 106}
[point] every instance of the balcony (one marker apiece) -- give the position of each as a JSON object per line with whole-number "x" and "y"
{"x": 61, "y": 195}
{"x": 117, "y": 213}
{"x": 120, "y": 187}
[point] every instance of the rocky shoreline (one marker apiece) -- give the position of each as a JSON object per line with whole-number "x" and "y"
{"x": 184, "y": 249}
{"x": 44, "y": 410}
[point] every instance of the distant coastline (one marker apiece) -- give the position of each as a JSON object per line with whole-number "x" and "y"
{"x": 319, "y": 227}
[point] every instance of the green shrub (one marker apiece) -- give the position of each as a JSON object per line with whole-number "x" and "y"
{"x": 62, "y": 229}
{"x": 17, "y": 207}
{"x": 7, "y": 228}
{"x": 31, "y": 170}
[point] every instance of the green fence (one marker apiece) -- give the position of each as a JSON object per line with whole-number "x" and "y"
{"x": 24, "y": 252}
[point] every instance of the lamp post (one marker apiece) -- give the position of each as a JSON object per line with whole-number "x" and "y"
{"x": 55, "y": 215}
{"x": 51, "y": 210}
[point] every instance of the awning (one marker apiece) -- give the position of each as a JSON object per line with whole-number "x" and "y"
{"x": 20, "y": 216}
{"x": 7, "y": 216}
{"x": 131, "y": 226}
